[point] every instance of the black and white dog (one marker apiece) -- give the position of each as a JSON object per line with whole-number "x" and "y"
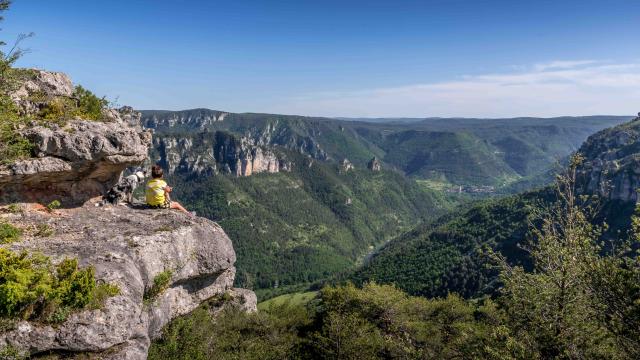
{"x": 123, "y": 190}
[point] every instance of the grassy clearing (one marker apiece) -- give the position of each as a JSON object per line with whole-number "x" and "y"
{"x": 436, "y": 185}
{"x": 293, "y": 299}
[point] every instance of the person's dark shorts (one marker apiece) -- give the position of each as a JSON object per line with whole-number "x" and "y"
{"x": 165, "y": 205}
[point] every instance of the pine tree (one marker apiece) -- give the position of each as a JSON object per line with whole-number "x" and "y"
{"x": 551, "y": 309}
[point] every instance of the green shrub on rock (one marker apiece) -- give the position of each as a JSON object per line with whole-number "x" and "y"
{"x": 83, "y": 104}
{"x": 75, "y": 286}
{"x": 12, "y": 147}
{"x": 9, "y": 233}
{"x": 89, "y": 106}
{"x": 32, "y": 288}
{"x": 101, "y": 293}
{"x": 160, "y": 284}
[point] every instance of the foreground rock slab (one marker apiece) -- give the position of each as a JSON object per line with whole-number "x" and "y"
{"x": 127, "y": 247}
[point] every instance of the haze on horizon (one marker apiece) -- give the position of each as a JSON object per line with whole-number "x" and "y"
{"x": 356, "y": 59}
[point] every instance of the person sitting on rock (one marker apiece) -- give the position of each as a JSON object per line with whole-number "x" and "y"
{"x": 157, "y": 192}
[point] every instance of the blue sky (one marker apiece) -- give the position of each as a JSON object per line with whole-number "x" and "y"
{"x": 345, "y": 58}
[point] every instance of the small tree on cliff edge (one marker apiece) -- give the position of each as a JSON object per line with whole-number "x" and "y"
{"x": 11, "y": 146}
{"x": 4, "y": 6}
{"x": 7, "y": 58}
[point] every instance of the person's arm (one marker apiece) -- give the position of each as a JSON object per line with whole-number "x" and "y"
{"x": 167, "y": 191}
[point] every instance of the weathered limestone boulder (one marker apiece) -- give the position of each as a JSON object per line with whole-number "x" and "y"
{"x": 128, "y": 247}
{"x": 74, "y": 163}
{"x": 40, "y": 85}
{"x": 612, "y": 163}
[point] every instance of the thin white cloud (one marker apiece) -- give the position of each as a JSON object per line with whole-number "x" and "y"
{"x": 563, "y": 64}
{"x": 582, "y": 87}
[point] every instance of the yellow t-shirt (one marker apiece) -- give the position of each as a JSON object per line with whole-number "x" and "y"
{"x": 155, "y": 192}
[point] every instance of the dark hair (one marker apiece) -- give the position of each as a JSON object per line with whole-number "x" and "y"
{"x": 156, "y": 171}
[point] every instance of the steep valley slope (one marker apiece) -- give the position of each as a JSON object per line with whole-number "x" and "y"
{"x": 299, "y": 226}
{"x": 296, "y": 194}
{"x": 450, "y": 255}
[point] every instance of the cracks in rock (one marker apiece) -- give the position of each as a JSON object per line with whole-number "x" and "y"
{"x": 195, "y": 284}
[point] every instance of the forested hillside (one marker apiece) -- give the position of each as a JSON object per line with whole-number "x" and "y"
{"x": 294, "y": 228}
{"x": 310, "y": 215}
{"x": 543, "y": 280}
{"x": 451, "y": 254}
{"x": 573, "y": 299}
{"x": 434, "y": 260}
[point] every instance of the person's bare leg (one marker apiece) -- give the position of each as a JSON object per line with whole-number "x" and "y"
{"x": 177, "y": 206}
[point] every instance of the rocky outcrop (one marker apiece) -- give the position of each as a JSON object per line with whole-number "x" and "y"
{"x": 212, "y": 153}
{"x": 611, "y": 167}
{"x": 73, "y": 162}
{"x": 177, "y": 155}
{"x": 38, "y": 86}
{"x": 243, "y": 158}
{"x": 128, "y": 247}
{"x": 374, "y": 164}
{"x": 346, "y": 165}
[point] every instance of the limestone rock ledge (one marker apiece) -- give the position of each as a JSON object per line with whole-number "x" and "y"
{"x": 74, "y": 163}
{"x": 127, "y": 247}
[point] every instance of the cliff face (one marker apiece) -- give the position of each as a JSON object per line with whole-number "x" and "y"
{"x": 256, "y": 130}
{"x": 612, "y": 163}
{"x": 127, "y": 246}
{"x": 193, "y": 119}
{"x": 212, "y": 153}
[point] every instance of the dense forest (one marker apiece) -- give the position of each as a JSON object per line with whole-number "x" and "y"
{"x": 299, "y": 228}
{"x": 573, "y": 300}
